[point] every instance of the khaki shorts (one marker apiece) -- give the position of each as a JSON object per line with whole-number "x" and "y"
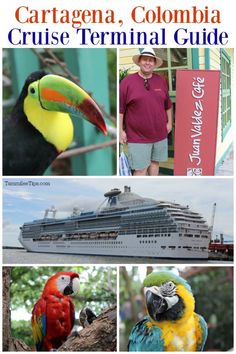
{"x": 141, "y": 155}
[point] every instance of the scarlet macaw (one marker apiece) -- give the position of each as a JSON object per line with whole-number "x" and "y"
{"x": 53, "y": 314}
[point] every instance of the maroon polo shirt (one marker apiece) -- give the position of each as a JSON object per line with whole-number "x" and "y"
{"x": 144, "y": 110}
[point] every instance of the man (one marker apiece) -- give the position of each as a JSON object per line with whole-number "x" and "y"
{"x": 145, "y": 115}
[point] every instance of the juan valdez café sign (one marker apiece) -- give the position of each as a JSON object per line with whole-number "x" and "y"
{"x": 197, "y": 100}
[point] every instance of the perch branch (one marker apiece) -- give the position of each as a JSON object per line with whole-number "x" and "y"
{"x": 99, "y": 336}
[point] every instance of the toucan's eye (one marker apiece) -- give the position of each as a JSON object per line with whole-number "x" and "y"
{"x": 32, "y": 90}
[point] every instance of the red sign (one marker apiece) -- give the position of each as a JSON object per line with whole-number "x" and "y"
{"x": 196, "y": 117}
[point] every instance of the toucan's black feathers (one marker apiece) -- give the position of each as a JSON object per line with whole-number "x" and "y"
{"x": 25, "y": 151}
{"x": 37, "y": 75}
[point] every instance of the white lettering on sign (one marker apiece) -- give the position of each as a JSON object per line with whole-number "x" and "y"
{"x": 197, "y": 119}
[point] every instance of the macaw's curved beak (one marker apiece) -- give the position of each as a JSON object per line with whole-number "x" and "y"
{"x": 68, "y": 290}
{"x": 156, "y": 304}
{"x": 61, "y": 95}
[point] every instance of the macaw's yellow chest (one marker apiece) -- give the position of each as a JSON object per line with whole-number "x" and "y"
{"x": 181, "y": 337}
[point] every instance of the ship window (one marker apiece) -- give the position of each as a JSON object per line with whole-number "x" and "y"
{"x": 172, "y": 247}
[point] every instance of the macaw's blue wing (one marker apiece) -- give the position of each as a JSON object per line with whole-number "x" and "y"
{"x": 39, "y": 323}
{"x": 204, "y": 332}
{"x": 145, "y": 337}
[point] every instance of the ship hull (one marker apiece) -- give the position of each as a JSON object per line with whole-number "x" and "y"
{"x": 128, "y": 225}
{"x": 123, "y": 246}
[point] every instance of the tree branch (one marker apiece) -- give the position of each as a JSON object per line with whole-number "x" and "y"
{"x": 18, "y": 345}
{"x": 99, "y": 336}
{"x": 192, "y": 271}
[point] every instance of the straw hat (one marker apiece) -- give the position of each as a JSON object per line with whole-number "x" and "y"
{"x": 148, "y": 52}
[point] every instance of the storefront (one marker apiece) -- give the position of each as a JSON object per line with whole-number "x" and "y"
{"x": 187, "y": 58}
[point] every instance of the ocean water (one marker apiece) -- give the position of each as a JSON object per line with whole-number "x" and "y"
{"x": 21, "y": 256}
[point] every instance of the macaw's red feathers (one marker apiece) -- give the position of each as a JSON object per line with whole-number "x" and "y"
{"x": 53, "y": 314}
{"x": 52, "y": 322}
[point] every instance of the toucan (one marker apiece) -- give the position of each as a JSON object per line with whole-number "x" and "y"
{"x": 39, "y": 127}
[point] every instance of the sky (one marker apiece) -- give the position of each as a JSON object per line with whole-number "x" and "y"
{"x": 28, "y": 201}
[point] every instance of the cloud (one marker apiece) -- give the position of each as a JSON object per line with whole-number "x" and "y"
{"x": 88, "y": 194}
{"x": 22, "y": 194}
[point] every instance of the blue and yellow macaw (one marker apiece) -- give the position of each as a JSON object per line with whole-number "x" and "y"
{"x": 171, "y": 324}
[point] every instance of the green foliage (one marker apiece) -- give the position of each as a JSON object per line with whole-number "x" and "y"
{"x": 112, "y": 81}
{"x": 22, "y": 329}
{"x": 95, "y": 283}
{"x": 97, "y": 290}
{"x": 123, "y": 73}
{"x": 213, "y": 293}
{"x": 135, "y": 283}
{"x": 111, "y": 57}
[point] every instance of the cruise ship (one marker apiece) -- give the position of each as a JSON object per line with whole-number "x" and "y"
{"x": 126, "y": 224}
